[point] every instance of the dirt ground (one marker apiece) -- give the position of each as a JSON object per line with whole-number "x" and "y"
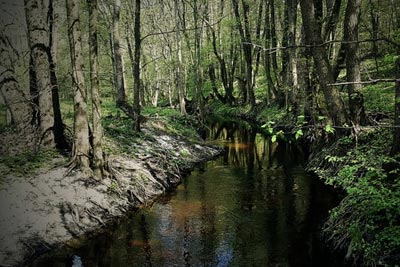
{"x": 46, "y": 210}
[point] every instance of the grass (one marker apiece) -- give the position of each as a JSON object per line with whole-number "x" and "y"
{"x": 28, "y": 162}
{"x": 379, "y": 97}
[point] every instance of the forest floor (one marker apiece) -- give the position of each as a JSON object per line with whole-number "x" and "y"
{"x": 42, "y": 208}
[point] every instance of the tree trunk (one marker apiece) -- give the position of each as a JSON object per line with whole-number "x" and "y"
{"x": 38, "y": 37}
{"x": 98, "y": 159}
{"x": 291, "y": 72}
{"x": 179, "y": 68}
{"x": 198, "y": 68}
{"x": 136, "y": 67}
{"x": 15, "y": 99}
{"x": 58, "y": 129}
{"x": 356, "y": 100}
{"x": 120, "y": 94}
{"x": 247, "y": 49}
{"x": 81, "y": 125}
{"x": 374, "y": 16}
{"x": 274, "y": 40}
{"x": 336, "y": 109}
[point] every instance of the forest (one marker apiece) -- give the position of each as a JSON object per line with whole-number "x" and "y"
{"x": 101, "y": 89}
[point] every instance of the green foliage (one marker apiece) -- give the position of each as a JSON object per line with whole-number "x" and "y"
{"x": 299, "y": 133}
{"x": 113, "y": 188}
{"x": 329, "y": 129}
{"x": 366, "y": 222}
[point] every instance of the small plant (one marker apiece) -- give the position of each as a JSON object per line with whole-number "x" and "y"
{"x": 113, "y": 187}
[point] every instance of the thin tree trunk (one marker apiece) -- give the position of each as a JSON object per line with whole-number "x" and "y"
{"x": 14, "y": 97}
{"x": 274, "y": 39}
{"x": 272, "y": 92}
{"x": 58, "y": 129}
{"x": 120, "y": 94}
{"x": 356, "y": 100}
{"x": 247, "y": 49}
{"x": 136, "y": 67}
{"x": 98, "y": 159}
{"x": 198, "y": 68}
{"x": 374, "y": 16}
{"x": 179, "y": 69}
{"x": 81, "y": 125}
{"x": 257, "y": 51}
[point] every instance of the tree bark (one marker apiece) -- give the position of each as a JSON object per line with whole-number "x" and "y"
{"x": 136, "y": 67}
{"x": 81, "y": 124}
{"x": 245, "y": 36}
{"x": 41, "y": 89}
{"x": 179, "y": 68}
{"x": 120, "y": 94}
{"x": 58, "y": 129}
{"x": 98, "y": 159}
{"x": 15, "y": 99}
{"x": 335, "y": 107}
{"x": 356, "y": 100}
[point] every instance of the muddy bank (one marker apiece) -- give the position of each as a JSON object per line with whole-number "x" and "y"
{"x": 43, "y": 211}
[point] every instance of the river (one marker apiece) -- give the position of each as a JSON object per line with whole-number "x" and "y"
{"x": 253, "y": 206}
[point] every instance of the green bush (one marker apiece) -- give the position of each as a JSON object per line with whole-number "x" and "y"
{"x": 367, "y": 221}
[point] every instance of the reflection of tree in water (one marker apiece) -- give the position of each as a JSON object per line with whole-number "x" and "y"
{"x": 254, "y": 206}
{"x": 146, "y": 243}
{"x": 208, "y": 235}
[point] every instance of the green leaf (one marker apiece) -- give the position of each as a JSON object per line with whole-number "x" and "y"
{"x": 320, "y": 118}
{"x": 273, "y": 139}
{"x": 329, "y": 129}
{"x": 298, "y": 134}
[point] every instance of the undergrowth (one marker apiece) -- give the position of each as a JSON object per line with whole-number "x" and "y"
{"x": 366, "y": 223}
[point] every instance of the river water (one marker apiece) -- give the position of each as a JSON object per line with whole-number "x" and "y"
{"x": 252, "y": 206}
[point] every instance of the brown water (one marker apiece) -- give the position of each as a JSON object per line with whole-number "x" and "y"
{"x": 252, "y": 206}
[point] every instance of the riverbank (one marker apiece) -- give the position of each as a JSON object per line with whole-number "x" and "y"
{"x": 46, "y": 208}
{"x": 364, "y": 227}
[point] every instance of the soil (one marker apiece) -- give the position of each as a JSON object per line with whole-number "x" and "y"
{"x": 46, "y": 210}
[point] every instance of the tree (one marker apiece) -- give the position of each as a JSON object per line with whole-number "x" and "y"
{"x": 120, "y": 94}
{"x": 43, "y": 81}
{"x": 136, "y": 67}
{"x": 15, "y": 99}
{"x": 98, "y": 159}
{"x": 245, "y": 37}
{"x": 81, "y": 123}
{"x": 227, "y": 61}
{"x": 336, "y": 109}
{"x": 356, "y": 99}
{"x": 179, "y": 68}
{"x": 289, "y": 56}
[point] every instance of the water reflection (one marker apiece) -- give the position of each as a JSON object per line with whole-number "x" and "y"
{"x": 253, "y": 206}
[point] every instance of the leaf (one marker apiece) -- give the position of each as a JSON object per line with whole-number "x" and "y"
{"x": 298, "y": 134}
{"x": 329, "y": 129}
{"x": 273, "y": 138}
{"x": 320, "y": 118}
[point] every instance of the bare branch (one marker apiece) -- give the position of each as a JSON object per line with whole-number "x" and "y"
{"x": 366, "y": 82}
